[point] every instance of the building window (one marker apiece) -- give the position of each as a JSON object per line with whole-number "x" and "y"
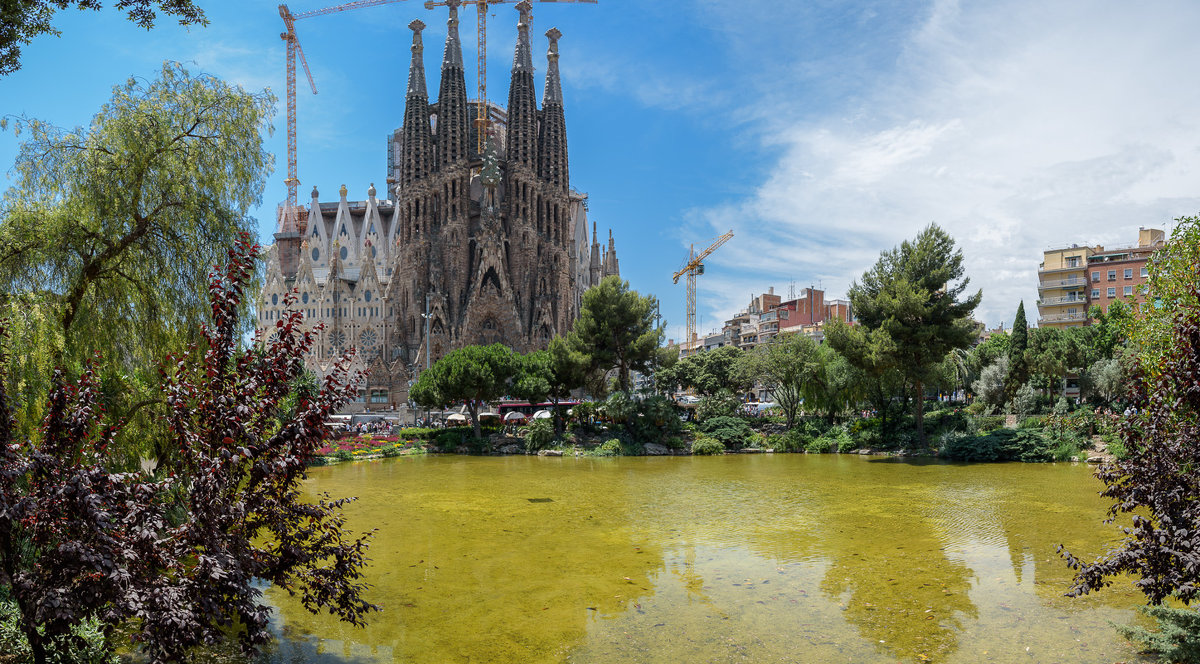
{"x": 379, "y": 396}
{"x": 1096, "y": 276}
{"x": 1128, "y": 273}
{"x": 1095, "y": 293}
{"x": 1112, "y": 275}
{"x": 1073, "y": 261}
{"x": 1145, "y": 272}
{"x": 1112, "y": 292}
{"x": 1128, "y": 291}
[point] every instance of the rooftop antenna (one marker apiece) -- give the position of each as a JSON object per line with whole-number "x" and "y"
{"x": 792, "y": 289}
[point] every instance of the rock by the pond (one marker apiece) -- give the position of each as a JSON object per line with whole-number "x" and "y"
{"x": 550, "y": 453}
{"x": 1095, "y": 459}
{"x": 752, "y": 450}
{"x": 510, "y": 449}
{"x": 654, "y": 449}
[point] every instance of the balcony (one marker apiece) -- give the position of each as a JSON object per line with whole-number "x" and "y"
{"x": 1062, "y": 283}
{"x": 1065, "y": 268}
{"x": 1065, "y": 299}
{"x": 1063, "y": 318}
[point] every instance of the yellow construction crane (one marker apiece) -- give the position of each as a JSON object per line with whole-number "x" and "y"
{"x": 291, "y": 213}
{"x": 693, "y": 267}
{"x": 481, "y": 7}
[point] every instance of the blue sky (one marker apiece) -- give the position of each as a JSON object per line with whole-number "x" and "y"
{"x": 820, "y": 132}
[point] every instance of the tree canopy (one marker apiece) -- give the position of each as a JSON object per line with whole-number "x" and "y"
{"x": 912, "y": 295}
{"x": 788, "y": 365}
{"x": 23, "y": 20}
{"x": 550, "y": 374}
{"x": 178, "y": 557}
{"x": 712, "y": 371}
{"x": 108, "y": 234}
{"x": 473, "y": 374}
{"x": 616, "y": 328}
{"x": 1156, "y": 483}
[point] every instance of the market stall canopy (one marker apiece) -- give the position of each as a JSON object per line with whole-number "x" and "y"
{"x": 515, "y": 416}
{"x": 542, "y": 415}
{"x": 495, "y": 415}
{"x": 456, "y": 417}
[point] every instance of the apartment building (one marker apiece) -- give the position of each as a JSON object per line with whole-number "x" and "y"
{"x": 1072, "y": 279}
{"x": 1118, "y": 273}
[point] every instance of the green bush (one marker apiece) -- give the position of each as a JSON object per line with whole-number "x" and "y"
{"x": 819, "y": 445}
{"x": 539, "y": 435}
{"x": 674, "y": 442}
{"x": 1034, "y": 422}
{"x": 982, "y": 447}
{"x": 1028, "y": 445}
{"x": 609, "y": 448}
{"x": 733, "y": 432}
{"x": 85, "y": 646}
{"x": 448, "y": 440}
{"x": 1177, "y": 639}
{"x": 705, "y": 446}
{"x": 989, "y": 423}
{"x": 417, "y": 433}
{"x": 343, "y": 455}
{"x": 865, "y": 432}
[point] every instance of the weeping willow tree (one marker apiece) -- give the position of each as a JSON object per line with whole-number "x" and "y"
{"x": 108, "y": 235}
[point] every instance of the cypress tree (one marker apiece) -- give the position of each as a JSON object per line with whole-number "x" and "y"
{"x": 1018, "y": 369}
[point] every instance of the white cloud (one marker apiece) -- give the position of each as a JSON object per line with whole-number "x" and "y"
{"x": 1015, "y": 126}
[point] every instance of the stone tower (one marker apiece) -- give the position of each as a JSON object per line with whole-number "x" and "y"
{"x": 474, "y": 247}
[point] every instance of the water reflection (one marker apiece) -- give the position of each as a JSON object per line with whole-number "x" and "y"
{"x": 788, "y": 558}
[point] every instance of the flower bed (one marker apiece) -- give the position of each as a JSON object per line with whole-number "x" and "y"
{"x": 365, "y": 444}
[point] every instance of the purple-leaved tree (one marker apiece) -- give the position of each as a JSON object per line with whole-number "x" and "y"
{"x": 177, "y": 558}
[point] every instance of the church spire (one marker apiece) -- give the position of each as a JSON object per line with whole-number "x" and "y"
{"x": 418, "y": 138}
{"x": 522, "y": 100}
{"x": 452, "y": 124}
{"x": 552, "y": 137}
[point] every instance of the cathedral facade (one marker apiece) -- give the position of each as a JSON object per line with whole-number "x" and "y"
{"x": 475, "y": 246}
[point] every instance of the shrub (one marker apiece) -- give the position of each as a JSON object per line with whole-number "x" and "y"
{"x": 705, "y": 446}
{"x": 989, "y": 423}
{"x": 611, "y": 447}
{"x": 731, "y": 431}
{"x": 1177, "y": 639}
{"x": 84, "y": 645}
{"x": 983, "y": 447}
{"x": 674, "y": 442}
{"x": 819, "y": 445}
{"x": 539, "y": 435}
{"x": 865, "y": 432}
{"x": 1034, "y": 422}
{"x": 448, "y": 440}
{"x": 343, "y": 455}
{"x": 417, "y": 433}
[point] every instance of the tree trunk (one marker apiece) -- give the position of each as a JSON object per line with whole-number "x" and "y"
{"x": 558, "y": 423}
{"x": 920, "y": 413}
{"x": 473, "y": 408}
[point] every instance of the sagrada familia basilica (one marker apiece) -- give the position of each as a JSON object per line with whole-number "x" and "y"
{"x": 475, "y": 246}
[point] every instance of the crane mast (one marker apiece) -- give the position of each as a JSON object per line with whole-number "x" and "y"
{"x": 695, "y": 266}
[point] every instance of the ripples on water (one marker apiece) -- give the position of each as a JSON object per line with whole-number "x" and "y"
{"x": 787, "y": 558}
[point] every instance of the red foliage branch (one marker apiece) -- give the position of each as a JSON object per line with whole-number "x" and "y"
{"x": 180, "y": 556}
{"x": 1158, "y": 482}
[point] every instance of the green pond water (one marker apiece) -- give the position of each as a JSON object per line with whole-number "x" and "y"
{"x": 746, "y": 558}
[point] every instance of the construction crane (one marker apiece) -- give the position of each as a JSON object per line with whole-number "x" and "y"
{"x": 693, "y": 267}
{"x": 290, "y": 223}
{"x": 481, "y": 8}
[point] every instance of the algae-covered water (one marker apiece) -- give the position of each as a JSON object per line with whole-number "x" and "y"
{"x": 747, "y": 558}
